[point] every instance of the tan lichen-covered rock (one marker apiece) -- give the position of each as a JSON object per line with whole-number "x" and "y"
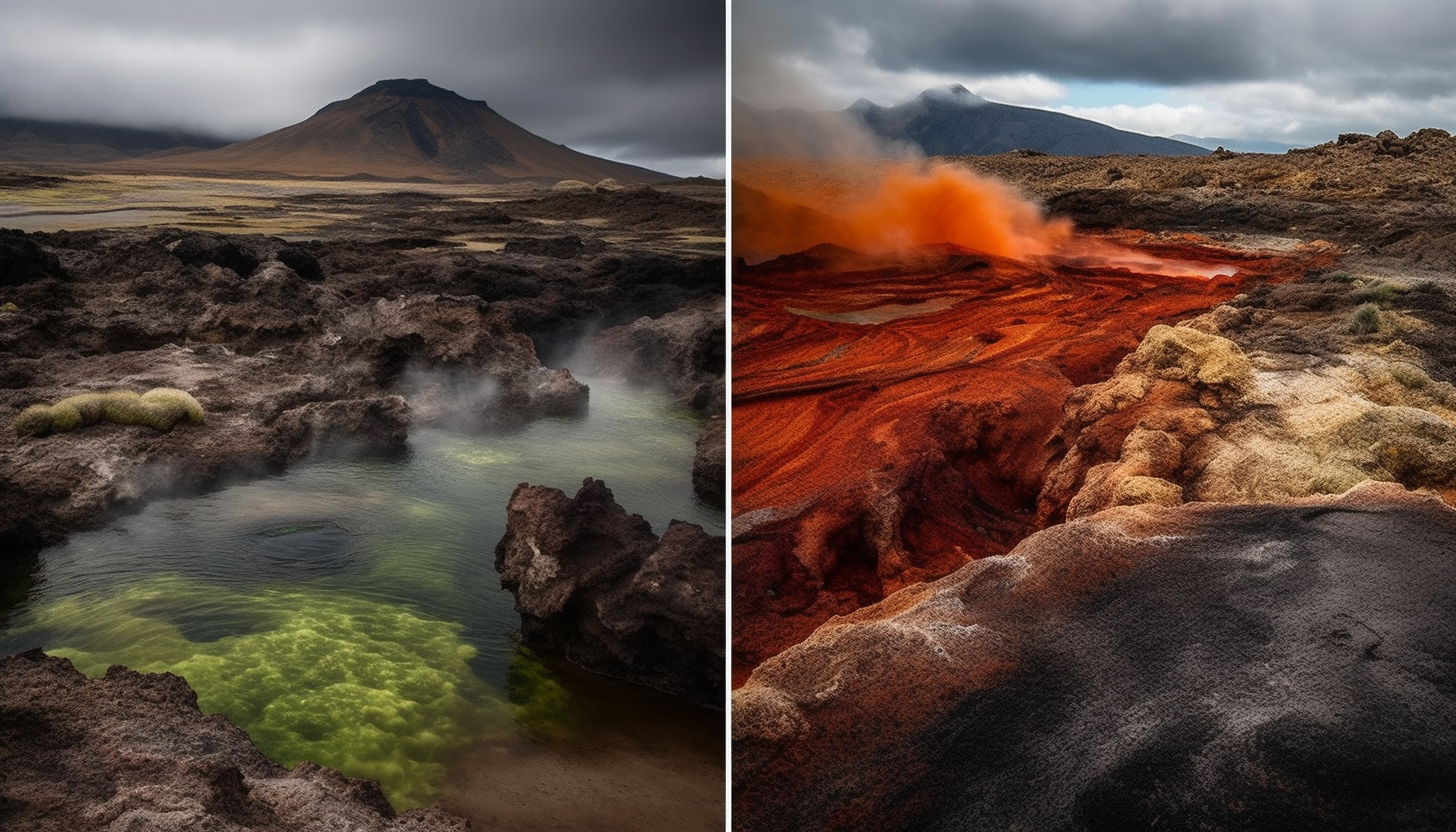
{"x": 1181, "y": 353}
{"x": 1192, "y": 415}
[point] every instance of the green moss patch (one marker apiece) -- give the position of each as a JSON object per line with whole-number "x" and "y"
{"x": 373, "y": 689}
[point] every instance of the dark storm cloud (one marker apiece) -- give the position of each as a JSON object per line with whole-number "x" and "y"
{"x": 644, "y": 78}
{"x": 1396, "y": 46}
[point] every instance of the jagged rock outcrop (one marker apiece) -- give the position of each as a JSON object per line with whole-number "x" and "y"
{"x": 710, "y": 462}
{"x": 1201, "y": 667}
{"x": 684, "y": 349}
{"x": 132, "y": 751}
{"x": 595, "y": 584}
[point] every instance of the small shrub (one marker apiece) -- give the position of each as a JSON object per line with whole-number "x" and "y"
{"x": 1365, "y": 320}
{"x": 1410, "y": 376}
{"x": 1380, "y": 292}
{"x": 1427, "y": 287}
{"x": 1340, "y": 277}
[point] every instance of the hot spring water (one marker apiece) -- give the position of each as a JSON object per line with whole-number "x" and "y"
{"x": 348, "y": 611}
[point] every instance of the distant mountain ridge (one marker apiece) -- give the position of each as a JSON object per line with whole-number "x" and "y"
{"x": 396, "y": 129}
{"x": 42, "y": 140}
{"x": 953, "y": 121}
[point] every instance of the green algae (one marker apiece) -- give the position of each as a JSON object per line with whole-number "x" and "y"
{"x": 373, "y": 689}
{"x": 540, "y": 703}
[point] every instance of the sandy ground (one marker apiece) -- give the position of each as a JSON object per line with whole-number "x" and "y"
{"x": 645, "y": 763}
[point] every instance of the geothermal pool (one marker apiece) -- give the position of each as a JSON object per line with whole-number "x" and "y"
{"x": 348, "y": 611}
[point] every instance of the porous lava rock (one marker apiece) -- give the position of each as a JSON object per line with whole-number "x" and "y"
{"x": 595, "y": 584}
{"x": 132, "y": 751}
{"x": 22, "y": 260}
{"x": 710, "y": 462}
{"x": 1202, "y": 666}
{"x": 684, "y": 350}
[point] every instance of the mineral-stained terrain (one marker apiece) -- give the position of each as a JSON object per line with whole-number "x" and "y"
{"x": 1110, "y": 544}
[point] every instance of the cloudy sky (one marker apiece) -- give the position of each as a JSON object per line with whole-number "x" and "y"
{"x": 1298, "y": 72}
{"x": 639, "y": 81}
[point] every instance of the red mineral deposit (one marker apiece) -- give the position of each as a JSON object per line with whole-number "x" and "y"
{"x": 904, "y": 339}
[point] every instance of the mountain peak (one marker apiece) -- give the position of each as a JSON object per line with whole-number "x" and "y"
{"x": 955, "y": 93}
{"x": 409, "y": 88}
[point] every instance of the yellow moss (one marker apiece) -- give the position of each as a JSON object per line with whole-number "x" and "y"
{"x": 65, "y": 417}
{"x": 179, "y": 405}
{"x": 158, "y": 409}
{"x": 33, "y": 421}
{"x": 89, "y": 405}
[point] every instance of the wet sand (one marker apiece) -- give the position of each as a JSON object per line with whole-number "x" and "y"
{"x": 636, "y": 761}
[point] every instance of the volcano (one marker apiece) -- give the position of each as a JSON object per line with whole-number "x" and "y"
{"x": 407, "y": 129}
{"x": 946, "y": 121}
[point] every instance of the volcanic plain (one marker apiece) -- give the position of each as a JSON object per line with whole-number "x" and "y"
{"x": 1096, "y": 492}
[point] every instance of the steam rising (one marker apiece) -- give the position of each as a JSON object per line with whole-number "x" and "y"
{"x": 885, "y": 207}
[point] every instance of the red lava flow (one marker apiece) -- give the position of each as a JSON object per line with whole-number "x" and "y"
{"x": 899, "y": 374}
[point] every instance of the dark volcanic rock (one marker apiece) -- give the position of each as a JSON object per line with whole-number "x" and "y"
{"x": 595, "y": 583}
{"x": 132, "y": 751}
{"x": 199, "y": 249}
{"x": 684, "y": 348}
{"x": 1200, "y": 667}
{"x": 562, "y": 248}
{"x": 710, "y": 461}
{"x": 380, "y": 423}
{"x": 23, "y": 260}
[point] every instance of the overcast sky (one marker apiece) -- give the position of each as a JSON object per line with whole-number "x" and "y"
{"x": 1295, "y": 71}
{"x": 639, "y": 81}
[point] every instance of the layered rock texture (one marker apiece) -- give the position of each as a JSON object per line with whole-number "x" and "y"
{"x": 1156, "y": 565}
{"x": 132, "y": 751}
{"x": 595, "y": 584}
